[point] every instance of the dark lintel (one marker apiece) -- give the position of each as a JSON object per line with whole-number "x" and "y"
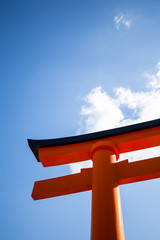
{"x": 36, "y": 144}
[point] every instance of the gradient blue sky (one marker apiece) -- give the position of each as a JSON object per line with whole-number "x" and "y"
{"x": 53, "y": 53}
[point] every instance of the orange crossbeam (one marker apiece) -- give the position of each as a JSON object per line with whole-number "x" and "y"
{"x": 55, "y": 187}
{"x": 125, "y": 172}
{"x": 137, "y": 171}
{"x": 65, "y": 154}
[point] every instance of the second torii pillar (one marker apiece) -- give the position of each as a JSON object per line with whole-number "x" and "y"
{"x": 107, "y": 220}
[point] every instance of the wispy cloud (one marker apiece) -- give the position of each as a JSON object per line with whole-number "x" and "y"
{"x": 120, "y": 20}
{"x": 154, "y": 78}
{"x": 101, "y": 111}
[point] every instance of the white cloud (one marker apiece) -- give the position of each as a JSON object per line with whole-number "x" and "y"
{"x": 154, "y": 78}
{"x": 122, "y": 19}
{"x": 101, "y": 111}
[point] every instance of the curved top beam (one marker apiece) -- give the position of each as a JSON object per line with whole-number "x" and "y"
{"x": 35, "y": 145}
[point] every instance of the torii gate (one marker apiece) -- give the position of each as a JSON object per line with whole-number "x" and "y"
{"x": 106, "y": 175}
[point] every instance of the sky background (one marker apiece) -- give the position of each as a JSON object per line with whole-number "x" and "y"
{"x": 67, "y": 68}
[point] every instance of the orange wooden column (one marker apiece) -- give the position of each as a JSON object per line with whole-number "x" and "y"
{"x": 107, "y": 220}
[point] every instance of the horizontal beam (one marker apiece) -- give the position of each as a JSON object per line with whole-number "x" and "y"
{"x": 137, "y": 171}
{"x": 52, "y": 156}
{"x": 55, "y": 187}
{"x": 126, "y": 173}
{"x": 52, "y": 152}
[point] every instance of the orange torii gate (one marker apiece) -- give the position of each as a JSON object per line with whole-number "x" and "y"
{"x": 106, "y": 175}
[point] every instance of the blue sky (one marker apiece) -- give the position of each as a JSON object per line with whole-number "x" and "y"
{"x": 67, "y": 67}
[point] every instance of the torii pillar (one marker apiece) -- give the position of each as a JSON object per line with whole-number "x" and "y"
{"x": 104, "y": 179}
{"x": 107, "y": 220}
